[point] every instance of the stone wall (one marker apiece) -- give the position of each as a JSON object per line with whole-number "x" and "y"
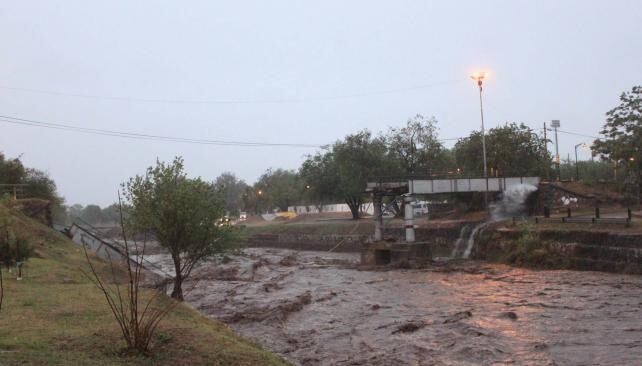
{"x": 440, "y": 238}
{"x": 572, "y": 249}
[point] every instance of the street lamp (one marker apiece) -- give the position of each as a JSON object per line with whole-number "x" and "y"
{"x": 479, "y": 77}
{"x": 577, "y": 169}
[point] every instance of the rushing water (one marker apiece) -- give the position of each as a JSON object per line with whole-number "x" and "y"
{"x": 471, "y": 239}
{"x": 512, "y": 204}
{"x": 456, "y": 252}
{"x": 317, "y": 308}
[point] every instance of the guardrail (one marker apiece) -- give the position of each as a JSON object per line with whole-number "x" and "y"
{"x": 115, "y": 246}
{"x": 584, "y": 220}
{"x": 17, "y": 191}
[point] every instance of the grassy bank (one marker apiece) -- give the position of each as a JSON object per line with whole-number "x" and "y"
{"x": 55, "y": 316}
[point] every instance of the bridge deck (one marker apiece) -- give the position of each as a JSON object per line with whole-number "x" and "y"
{"x": 454, "y": 185}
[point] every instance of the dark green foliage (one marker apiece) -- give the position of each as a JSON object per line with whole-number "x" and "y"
{"x": 511, "y": 150}
{"x": 14, "y": 250}
{"x": 184, "y": 215}
{"x": 279, "y": 189}
{"x": 232, "y": 190}
{"x": 529, "y": 250}
{"x": 622, "y": 142}
{"x": 415, "y": 148}
{"x": 37, "y": 183}
{"x": 342, "y": 171}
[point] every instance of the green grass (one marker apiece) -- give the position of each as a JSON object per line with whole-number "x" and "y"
{"x": 55, "y": 316}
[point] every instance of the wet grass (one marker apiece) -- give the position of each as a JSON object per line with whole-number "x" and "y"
{"x": 55, "y": 316}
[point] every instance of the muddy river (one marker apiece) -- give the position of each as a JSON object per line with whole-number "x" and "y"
{"x": 317, "y": 308}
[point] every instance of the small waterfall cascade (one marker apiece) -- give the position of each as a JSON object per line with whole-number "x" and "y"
{"x": 511, "y": 204}
{"x": 456, "y": 252}
{"x": 471, "y": 239}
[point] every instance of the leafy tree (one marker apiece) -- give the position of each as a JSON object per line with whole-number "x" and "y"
{"x": 92, "y": 214}
{"x": 233, "y": 190}
{"x": 184, "y": 215}
{"x": 416, "y": 147}
{"x": 111, "y": 213}
{"x": 512, "y": 149}
{"x": 279, "y": 188}
{"x": 321, "y": 179}
{"x": 11, "y": 170}
{"x": 359, "y": 157}
{"x": 38, "y": 184}
{"x": 622, "y": 142}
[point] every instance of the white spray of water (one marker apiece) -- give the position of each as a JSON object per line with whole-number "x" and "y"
{"x": 511, "y": 204}
{"x": 471, "y": 239}
{"x": 460, "y": 240}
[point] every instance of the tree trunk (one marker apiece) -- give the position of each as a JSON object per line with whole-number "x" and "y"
{"x": 354, "y": 204}
{"x": 177, "y": 292}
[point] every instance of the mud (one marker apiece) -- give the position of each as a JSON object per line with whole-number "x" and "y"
{"x": 317, "y": 308}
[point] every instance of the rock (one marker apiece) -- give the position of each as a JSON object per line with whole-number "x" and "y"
{"x": 458, "y": 316}
{"x": 508, "y": 315}
{"x": 409, "y": 327}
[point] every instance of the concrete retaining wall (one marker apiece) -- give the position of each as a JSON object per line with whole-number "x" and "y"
{"x": 441, "y": 240}
{"x": 575, "y": 249}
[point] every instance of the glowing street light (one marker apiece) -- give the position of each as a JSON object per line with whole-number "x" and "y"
{"x": 479, "y": 77}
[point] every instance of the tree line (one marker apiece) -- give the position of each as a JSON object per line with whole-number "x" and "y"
{"x": 339, "y": 172}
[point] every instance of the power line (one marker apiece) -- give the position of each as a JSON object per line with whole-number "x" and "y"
{"x": 234, "y": 101}
{"x": 139, "y": 136}
{"x": 580, "y": 134}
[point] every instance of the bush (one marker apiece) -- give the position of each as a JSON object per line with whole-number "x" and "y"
{"x": 14, "y": 250}
{"x": 530, "y": 251}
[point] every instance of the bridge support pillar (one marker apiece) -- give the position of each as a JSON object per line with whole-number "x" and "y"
{"x": 409, "y": 223}
{"x": 378, "y": 216}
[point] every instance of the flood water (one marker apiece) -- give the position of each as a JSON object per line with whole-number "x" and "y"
{"x": 317, "y": 308}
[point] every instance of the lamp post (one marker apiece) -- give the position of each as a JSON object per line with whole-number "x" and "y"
{"x": 556, "y": 124}
{"x": 479, "y": 77}
{"x": 577, "y": 168}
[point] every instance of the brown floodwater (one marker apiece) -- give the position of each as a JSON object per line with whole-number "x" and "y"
{"x": 317, "y": 308}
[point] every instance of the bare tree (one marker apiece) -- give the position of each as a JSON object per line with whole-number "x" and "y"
{"x": 136, "y": 312}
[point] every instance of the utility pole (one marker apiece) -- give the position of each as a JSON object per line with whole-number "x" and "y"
{"x": 479, "y": 78}
{"x": 577, "y": 168}
{"x": 547, "y": 165}
{"x": 555, "y": 124}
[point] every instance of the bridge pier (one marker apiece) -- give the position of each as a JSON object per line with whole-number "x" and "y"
{"x": 377, "y": 216}
{"x": 408, "y": 222}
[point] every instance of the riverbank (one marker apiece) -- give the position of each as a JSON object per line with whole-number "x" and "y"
{"x": 603, "y": 247}
{"x": 55, "y": 316}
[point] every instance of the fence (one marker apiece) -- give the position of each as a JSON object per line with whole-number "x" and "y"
{"x": 16, "y": 191}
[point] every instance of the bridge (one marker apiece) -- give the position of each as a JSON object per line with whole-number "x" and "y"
{"x": 387, "y": 186}
{"x": 410, "y": 186}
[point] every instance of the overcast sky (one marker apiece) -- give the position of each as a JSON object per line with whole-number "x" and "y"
{"x": 293, "y": 72}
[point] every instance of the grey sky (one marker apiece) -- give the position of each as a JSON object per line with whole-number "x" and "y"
{"x": 566, "y": 60}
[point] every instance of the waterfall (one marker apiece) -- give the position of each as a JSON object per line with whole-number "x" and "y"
{"x": 471, "y": 238}
{"x": 511, "y": 204}
{"x": 460, "y": 239}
